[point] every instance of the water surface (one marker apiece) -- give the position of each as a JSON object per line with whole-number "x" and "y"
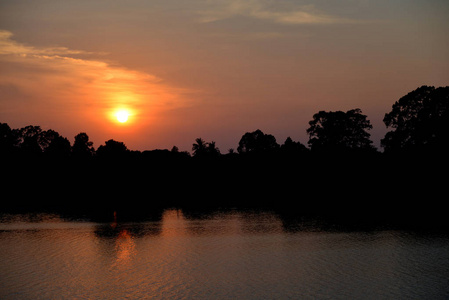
{"x": 239, "y": 255}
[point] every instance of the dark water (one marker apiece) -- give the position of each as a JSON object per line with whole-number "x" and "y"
{"x": 238, "y": 255}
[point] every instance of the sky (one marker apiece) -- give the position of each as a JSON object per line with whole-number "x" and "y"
{"x": 214, "y": 69}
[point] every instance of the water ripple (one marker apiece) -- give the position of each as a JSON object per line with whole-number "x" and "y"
{"x": 235, "y": 255}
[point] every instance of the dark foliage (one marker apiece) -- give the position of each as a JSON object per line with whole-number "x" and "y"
{"x": 82, "y": 148}
{"x": 41, "y": 170}
{"x": 56, "y": 145}
{"x": 8, "y": 139}
{"x": 420, "y": 122}
{"x": 257, "y": 142}
{"x": 112, "y": 149}
{"x": 292, "y": 148}
{"x": 339, "y": 131}
{"x": 201, "y": 149}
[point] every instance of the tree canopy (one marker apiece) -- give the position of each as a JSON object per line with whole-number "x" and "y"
{"x": 8, "y": 139}
{"x": 82, "y": 147}
{"x": 291, "y": 147}
{"x": 257, "y": 142}
{"x": 203, "y": 149}
{"x": 419, "y": 119}
{"x": 56, "y": 145}
{"x": 339, "y": 131}
{"x": 112, "y": 149}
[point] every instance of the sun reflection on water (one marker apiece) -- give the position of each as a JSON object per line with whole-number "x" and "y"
{"x": 125, "y": 247}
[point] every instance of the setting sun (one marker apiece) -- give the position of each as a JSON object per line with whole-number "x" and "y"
{"x": 122, "y": 116}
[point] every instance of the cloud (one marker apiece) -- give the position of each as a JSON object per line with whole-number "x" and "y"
{"x": 299, "y": 17}
{"x": 264, "y": 10}
{"x": 9, "y": 46}
{"x": 53, "y": 79}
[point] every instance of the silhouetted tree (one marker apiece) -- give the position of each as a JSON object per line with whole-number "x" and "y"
{"x": 290, "y": 147}
{"x": 8, "y": 139}
{"x": 212, "y": 150}
{"x": 420, "y": 120}
{"x": 31, "y": 141}
{"x": 257, "y": 142}
{"x": 82, "y": 147}
{"x": 203, "y": 149}
{"x": 339, "y": 131}
{"x": 55, "y": 144}
{"x": 199, "y": 148}
{"x": 112, "y": 149}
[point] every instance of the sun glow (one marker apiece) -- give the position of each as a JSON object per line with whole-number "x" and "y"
{"x": 122, "y": 116}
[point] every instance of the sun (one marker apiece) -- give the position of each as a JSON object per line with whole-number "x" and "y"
{"x": 122, "y": 116}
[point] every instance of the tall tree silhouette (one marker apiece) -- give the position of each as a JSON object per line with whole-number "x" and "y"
{"x": 8, "y": 139}
{"x": 31, "y": 141}
{"x": 199, "y": 147}
{"x": 257, "y": 142}
{"x": 203, "y": 149}
{"x": 339, "y": 131}
{"x": 213, "y": 150}
{"x": 291, "y": 148}
{"x": 420, "y": 120}
{"x": 55, "y": 144}
{"x": 112, "y": 149}
{"x": 82, "y": 147}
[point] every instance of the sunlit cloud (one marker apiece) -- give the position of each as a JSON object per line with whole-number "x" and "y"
{"x": 299, "y": 17}
{"x": 9, "y": 46}
{"x": 259, "y": 9}
{"x": 90, "y": 88}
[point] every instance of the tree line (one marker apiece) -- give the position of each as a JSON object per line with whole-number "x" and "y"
{"x": 339, "y": 172}
{"x": 418, "y": 122}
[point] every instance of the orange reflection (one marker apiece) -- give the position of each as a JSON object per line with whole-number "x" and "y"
{"x": 125, "y": 247}
{"x": 173, "y": 223}
{"x": 114, "y": 223}
{"x": 124, "y": 243}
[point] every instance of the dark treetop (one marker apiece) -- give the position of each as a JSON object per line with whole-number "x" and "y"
{"x": 340, "y": 174}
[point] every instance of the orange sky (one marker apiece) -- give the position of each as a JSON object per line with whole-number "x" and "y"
{"x": 212, "y": 69}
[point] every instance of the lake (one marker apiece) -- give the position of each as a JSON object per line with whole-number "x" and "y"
{"x": 175, "y": 254}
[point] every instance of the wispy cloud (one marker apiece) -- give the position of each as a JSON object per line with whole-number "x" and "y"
{"x": 300, "y": 17}
{"x": 56, "y": 79}
{"x": 259, "y": 9}
{"x": 9, "y": 46}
